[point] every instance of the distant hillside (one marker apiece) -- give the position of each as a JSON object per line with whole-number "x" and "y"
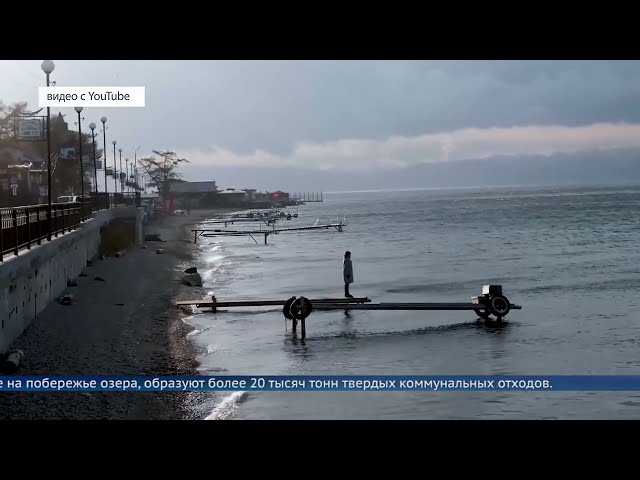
{"x": 610, "y": 166}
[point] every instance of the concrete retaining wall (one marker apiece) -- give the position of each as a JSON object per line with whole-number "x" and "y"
{"x": 38, "y": 276}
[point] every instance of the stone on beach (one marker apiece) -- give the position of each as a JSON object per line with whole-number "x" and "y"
{"x": 191, "y": 270}
{"x": 11, "y": 363}
{"x": 65, "y": 300}
{"x": 192, "y": 279}
{"x": 153, "y": 238}
{"x": 125, "y": 328}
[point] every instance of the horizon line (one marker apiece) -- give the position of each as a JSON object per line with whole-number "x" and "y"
{"x": 484, "y": 187}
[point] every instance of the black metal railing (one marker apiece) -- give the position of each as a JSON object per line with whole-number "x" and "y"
{"x": 22, "y": 227}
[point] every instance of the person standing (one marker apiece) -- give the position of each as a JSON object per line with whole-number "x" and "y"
{"x": 347, "y": 273}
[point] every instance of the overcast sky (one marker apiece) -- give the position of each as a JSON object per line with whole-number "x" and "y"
{"x": 349, "y": 115}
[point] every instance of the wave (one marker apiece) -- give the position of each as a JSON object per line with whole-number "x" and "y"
{"x": 213, "y": 258}
{"x": 226, "y": 408}
{"x": 621, "y": 284}
{"x": 473, "y": 285}
{"x": 197, "y": 331}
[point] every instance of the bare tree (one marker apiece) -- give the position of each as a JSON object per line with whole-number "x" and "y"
{"x": 161, "y": 172}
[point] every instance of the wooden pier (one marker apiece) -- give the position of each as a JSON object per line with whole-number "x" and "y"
{"x": 491, "y": 306}
{"x": 205, "y": 232}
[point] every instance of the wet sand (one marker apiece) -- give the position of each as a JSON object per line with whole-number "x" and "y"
{"x": 126, "y": 325}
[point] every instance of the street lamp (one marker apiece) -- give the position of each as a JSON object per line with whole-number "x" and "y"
{"x": 79, "y": 109}
{"x": 47, "y": 67}
{"x": 120, "y": 175}
{"x": 104, "y": 153}
{"x": 135, "y": 159}
{"x": 126, "y": 180}
{"x": 115, "y": 183}
{"x": 92, "y": 126}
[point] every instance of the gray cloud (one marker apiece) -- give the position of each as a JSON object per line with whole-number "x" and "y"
{"x": 245, "y": 107}
{"x": 458, "y": 145}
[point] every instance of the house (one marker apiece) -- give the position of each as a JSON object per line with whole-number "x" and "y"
{"x": 187, "y": 195}
{"x": 232, "y": 197}
{"x": 279, "y": 196}
{"x": 250, "y": 192}
{"x": 187, "y": 188}
{"x": 260, "y": 197}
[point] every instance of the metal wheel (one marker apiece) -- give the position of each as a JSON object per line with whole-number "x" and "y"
{"x": 300, "y": 308}
{"x": 286, "y": 310}
{"x": 499, "y": 306}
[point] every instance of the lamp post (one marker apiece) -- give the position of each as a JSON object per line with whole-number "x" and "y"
{"x": 126, "y": 180}
{"x": 104, "y": 152}
{"x": 79, "y": 109}
{"x": 120, "y": 174}
{"x": 47, "y": 67}
{"x": 115, "y": 183}
{"x": 92, "y": 126}
{"x": 135, "y": 159}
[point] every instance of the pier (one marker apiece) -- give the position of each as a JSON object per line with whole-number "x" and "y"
{"x": 492, "y": 306}
{"x": 213, "y": 303}
{"x": 205, "y": 232}
{"x": 307, "y": 197}
{"x": 267, "y": 219}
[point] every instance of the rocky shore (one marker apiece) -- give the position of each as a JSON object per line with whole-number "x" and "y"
{"x": 124, "y": 324}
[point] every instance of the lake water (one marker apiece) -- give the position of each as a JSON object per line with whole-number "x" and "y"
{"x": 569, "y": 256}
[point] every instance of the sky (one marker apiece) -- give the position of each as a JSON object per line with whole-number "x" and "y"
{"x": 349, "y": 118}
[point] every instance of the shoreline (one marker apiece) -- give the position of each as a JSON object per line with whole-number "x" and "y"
{"x": 125, "y": 325}
{"x": 183, "y": 351}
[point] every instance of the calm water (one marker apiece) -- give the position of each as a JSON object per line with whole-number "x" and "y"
{"x": 568, "y": 256}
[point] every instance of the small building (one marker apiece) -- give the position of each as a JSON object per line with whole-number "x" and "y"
{"x": 187, "y": 195}
{"x": 260, "y": 197}
{"x": 192, "y": 187}
{"x": 250, "y": 192}
{"x": 280, "y": 196}
{"x": 232, "y": 197}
